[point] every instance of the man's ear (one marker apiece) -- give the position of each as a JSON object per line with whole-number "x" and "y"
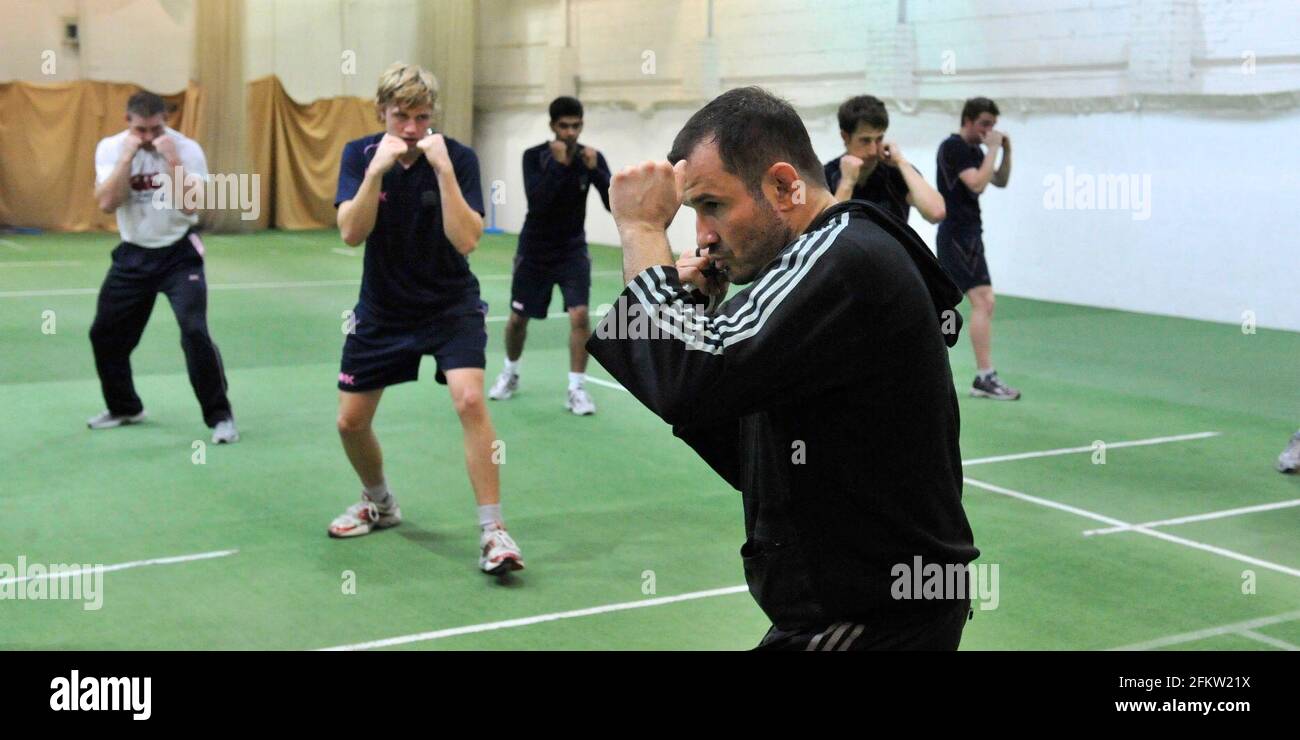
{"x": 846, "y": 138}
{"x": 791, "y": 190}
{"x": 379, "y": 114}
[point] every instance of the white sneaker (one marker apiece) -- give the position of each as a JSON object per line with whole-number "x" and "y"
{"x": 106, "y": 420}
{"x": 500, "y": 553}
{"x": 363, "y": 517}
{"x": 580, "y": 403}
{"x": 505, "y": 387}
{"x": 225, "y": 433}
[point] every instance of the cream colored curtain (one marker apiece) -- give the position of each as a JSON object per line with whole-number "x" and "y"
{"x": 219, "y": 66}
{"x": 448, "y": 50}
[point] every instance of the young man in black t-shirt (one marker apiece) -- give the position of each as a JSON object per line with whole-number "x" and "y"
{"x": 558, "y": 175}
{"x": 857, "y": 175}
{"x": 414, "y": 197}
{"x": 964, "y": 171}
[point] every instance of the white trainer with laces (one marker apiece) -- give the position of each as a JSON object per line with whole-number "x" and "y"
{"x": 505, "y": 387}
{"x": 500, "y": 553}
{"x": 106, "y": 420}
{"x": 364, "y": 517}
{"x": 1289, "y": 460}
{"x": 580, "y": 403}
{"x": 225, "y": 433}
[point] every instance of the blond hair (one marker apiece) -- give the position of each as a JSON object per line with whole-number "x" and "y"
{"x": 406, "y": 86}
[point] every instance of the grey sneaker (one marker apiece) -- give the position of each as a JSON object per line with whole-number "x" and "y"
{"x": 505, "y": 387}
{"x": 106, "y": 420}
{"x": 1289, "y": 460}
{"x": 993, "y": 387}
{"x": 580, "y": 403}
{"x": 499, "y": 553}
{"x": 225, "y": 433}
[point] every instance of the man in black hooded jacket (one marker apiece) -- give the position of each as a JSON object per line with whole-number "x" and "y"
{"x": 821, "y": 391}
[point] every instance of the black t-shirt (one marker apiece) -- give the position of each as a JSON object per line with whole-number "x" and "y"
{"x": 555, "y": 226}
{"x": 412, "y": 272}
{"x": 962, "y": 205}
{"x": 885, "y": 187}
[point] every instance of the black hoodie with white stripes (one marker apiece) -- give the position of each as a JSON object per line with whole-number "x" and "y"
{"x": 822, "y": 392}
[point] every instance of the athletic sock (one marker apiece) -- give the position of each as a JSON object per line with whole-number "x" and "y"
{"x": 512, "y": 366}
{"x": 576, "y": 380}
{"x": 489, "y": 516}
{"x": 379, "y": 494}
{"x": 984, "y": 374}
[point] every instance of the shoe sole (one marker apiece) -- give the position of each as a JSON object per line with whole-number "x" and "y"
{"x": 128, "y": 421}
{"x": 996, "y": 397}
{"x": 507, "y": 565}
{"x": 373, "y": 528}
{"x": 579, "y": 413}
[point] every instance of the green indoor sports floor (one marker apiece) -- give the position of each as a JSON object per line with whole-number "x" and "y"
{"x": 631, "y": 542}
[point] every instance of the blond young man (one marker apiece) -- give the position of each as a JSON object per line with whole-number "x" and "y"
{"x": 414, "y": 197}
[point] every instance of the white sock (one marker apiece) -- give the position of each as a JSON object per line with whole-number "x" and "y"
{"x": 576, "y": 380}
{"x": 379, "y": 494}
{"x": 512, "y": 366}
{"x": 489, "y": 516}
{"x": 984, "y": 374}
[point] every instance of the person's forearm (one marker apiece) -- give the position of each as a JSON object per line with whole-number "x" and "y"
{"x": 357, "y": 216}
{"x": 462, "y": 224}
{"x": 113, "y": 191}
{"x": 926, "y": 199}
{"x": 643, "y": 247}
{"x": 1003, "y": 175}
{"x": 844, "y": 191}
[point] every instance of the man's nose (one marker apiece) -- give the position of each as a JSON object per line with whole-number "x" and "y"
{"x": 705, "y": 236}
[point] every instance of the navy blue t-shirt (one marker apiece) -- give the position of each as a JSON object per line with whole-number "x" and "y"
{"x": 884, "y": 187}
{"x": 555, "y": 227}
{"x": 962, "y": 205}
{"x": 412, "y": 272}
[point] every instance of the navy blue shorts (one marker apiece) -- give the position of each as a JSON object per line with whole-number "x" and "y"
{"x": 962, "y": 257}
{"x": 534, "y": 281}
{"x": 377, "y": 356}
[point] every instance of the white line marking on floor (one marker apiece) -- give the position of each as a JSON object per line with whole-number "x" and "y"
{"x": 1199, "y": 517}
{"x": 1226, "y": 629}
{"x": 231, "y": 286}
{"x": 607, "y": 384}
{"x": 525, "y": 621}
{"x": 346, "y": 252}
{"x": 14, "y": 245}
{"x": 1221, "y": 551}
{"x": 132, "y": 564}
{"x": 1279, "y": 644}
{"x": 1073, "y": 450}
{"x": 42, "y": 263}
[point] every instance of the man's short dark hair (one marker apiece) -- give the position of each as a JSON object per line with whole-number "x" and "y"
{"x": 863, "y": 109}
{"x": 975, "y": 106}
{"x": 145, "y": 104}
{"x": 565, "y": 106}
{"x": 753, "y": 129}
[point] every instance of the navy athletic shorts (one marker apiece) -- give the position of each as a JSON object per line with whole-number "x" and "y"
{"x": 962, "y": 256}
{"x": 377, "y": 355}
{"x": 534, "y": 281}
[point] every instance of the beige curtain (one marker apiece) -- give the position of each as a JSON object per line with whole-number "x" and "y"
{"x": 219, "y": 66}
{"x": 296, "y": 149}
{"x": 449, "y": 53}
{"x": 48, "y": 135}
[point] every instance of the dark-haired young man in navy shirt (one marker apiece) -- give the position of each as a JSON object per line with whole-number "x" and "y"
{"x": 964, "y": 173}
{"x": 558, "y": 175}
{"x": 857, "y": 175}
{"x": 414, "y": 197}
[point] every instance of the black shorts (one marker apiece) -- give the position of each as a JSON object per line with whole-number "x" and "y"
{"x": 377, "y": 356}
{"x": 962, "y": 256}
{"x": 532, "y": 285}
